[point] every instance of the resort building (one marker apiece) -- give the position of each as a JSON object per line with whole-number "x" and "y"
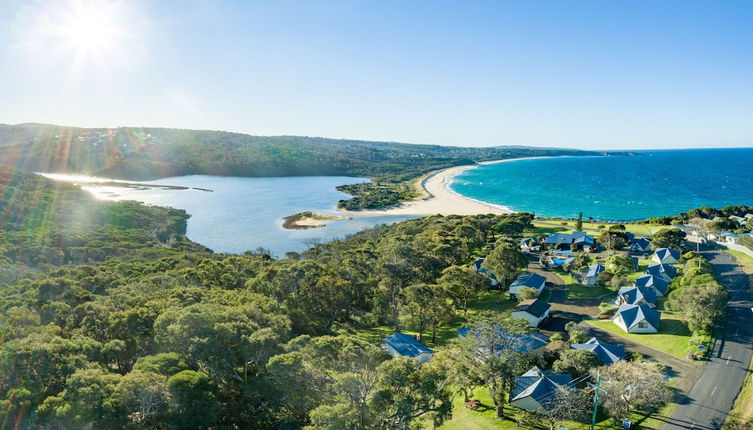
{"x": 520, "y": 342}
{"x": 640, "y": 246}
{"x": 529, "y": 280}
{"x": 637, "y": 319}
{"x": 402, "y": 345}
{"x": 578, "y": 240}
{"x": 592, "y": 276}
{"x": 658, "y": 285}
{"x": 477, "y": 266}
{"x": 666, "y": 256}
{"x": 534, "y": 311}
{"x": 663, "y": 271}
{"x": 635, "y": 296}
{"x": 607, "y": 353}
{"x": 533, "y": 390}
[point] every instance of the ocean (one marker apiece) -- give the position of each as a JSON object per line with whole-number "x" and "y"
{"x": 615, "y": 188}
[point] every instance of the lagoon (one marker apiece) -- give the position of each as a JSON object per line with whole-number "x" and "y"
{"x": 241, "y": 214}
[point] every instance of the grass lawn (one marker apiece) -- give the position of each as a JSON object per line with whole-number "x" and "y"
{"x": 672, "y": 338}
{"x": 743, "y": 258}
{"x": 485, "y": 418}
{"x": 579, "y": 291}
{"x": 548, "y": 226}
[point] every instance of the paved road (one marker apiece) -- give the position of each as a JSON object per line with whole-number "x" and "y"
{"x": 711, "y": 398}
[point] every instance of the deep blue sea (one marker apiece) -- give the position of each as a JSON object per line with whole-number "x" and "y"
{"x": 243, "y": 214}
{"x": 619, "y": 188}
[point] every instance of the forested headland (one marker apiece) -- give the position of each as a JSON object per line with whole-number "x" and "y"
{"x": 111, "y": 318}
{"x": 152, "y": 153}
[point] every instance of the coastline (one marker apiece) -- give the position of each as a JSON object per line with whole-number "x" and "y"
{"x": 441, "y": 200}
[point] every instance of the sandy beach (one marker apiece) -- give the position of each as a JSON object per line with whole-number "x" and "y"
{"x": 443, "y": 201}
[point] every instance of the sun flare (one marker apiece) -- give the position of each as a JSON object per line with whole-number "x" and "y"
{"x": 96, "y": 25}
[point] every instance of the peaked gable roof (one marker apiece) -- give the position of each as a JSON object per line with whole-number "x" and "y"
{"x": 661, "y": 269}
{"x": 527, "y": 241}
{"x": 594, "y": 270}
{"x": 664, "y": 253}
{"x": 632, "y": 315}
{"x": 535, "y": 307}
{"x": 406, "y": 345}
{"x": 633, "y": 295}
{"x": 569, "y": 238}
{"x": 538, "y": 385}
{"x": 529, "y": 279}
{"x": 651, "y": 281}
{"x": 640, "y": 244}
{"x": 607, "y": 353}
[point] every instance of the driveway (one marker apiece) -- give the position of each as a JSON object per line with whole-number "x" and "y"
{"x": 563, "y": 310}
{"x": 711, "y": 398}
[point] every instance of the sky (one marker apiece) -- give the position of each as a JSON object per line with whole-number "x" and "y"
{"x": 581, "y": 74}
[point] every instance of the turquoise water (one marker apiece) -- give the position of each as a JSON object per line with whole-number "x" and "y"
{"x": 246, "y": 213}
{"x": 620, "y": 188}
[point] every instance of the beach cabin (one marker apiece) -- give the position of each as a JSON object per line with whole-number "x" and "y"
{"x": 527, "y": 243}
{"x": 477, "y": 266}
{"x": 635, "y": 296}
{"x": 533, "y": 390}
{"x": 534, "y": 311}
{"x": 656, "y": 284}
{"x": 578, "y": 240}
{"x": 640, "y": 246}
{"x": 592, "y": 276}
{"x": 666, "y": 256}
{"x": 520, "y": 342}
{"x": 663, "y": 271}
{"x": 637, "y": 319}
{"x": 530, "y": 280}
{"x": 607, "y": 353}
{"x": 402, "y": 345}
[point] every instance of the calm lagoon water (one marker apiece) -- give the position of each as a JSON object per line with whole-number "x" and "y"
{"x": 623, "y": 188}
{"x": 243, "y": 214}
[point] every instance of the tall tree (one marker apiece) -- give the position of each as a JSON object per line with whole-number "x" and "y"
{"x": 668, "y": 238}
{"x": 505, "y": 260}
{"x": 632, "y": 385}
{"x": 579, "y": 222}
{"x": 462, "y": 284}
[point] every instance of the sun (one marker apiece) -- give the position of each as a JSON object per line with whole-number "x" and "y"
{"x": 92, "y": 25}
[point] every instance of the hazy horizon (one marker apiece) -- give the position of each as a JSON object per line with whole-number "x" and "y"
{"x": 586, "y": 75}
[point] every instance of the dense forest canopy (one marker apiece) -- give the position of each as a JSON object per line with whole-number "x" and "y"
{"x": 111, "y": 318}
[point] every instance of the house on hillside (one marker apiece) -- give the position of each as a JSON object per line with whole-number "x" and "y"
{"x": 593, "y": 273}
{"x": 578, "y": 239}
{"x": 520, "y": 342}
{"x": 658, "y": 285}
{"x": 607, "y": 353}
{"x": 635, "y": 296}
{"x": 640, "y": 245}
{"x": 533, "y": 390}
{"x": 663, "y": 271}
{"x": 637, "y": 319}
{"x": 477, "y": 266}
{"x": 534, "y": 311}
{"x": 402, "y": 345}
{"x": 732, "y": 238}
{"x": 666, "y": 256}
{"x": 530, "y": 280}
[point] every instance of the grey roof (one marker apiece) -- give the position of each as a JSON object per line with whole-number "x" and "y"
{"x": 577, "y": 237}
{"x": 607, "y": 353}
{"x": 594, "y": 270}
{"x": 529, "y": 279}
{"x": 634, "y": 314}
{"x": 406, "y": 345}
{"x": 664, "y": 253}
{"x": 520, "y": 342}
{"x": 535, "y": 307}
{"x": 651, "y": 281}
{"x": 640, "y": 244}
{"x": 538, "y": 385}
{"x": 633, "y": 295}
{"x": 660, "y": 269}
